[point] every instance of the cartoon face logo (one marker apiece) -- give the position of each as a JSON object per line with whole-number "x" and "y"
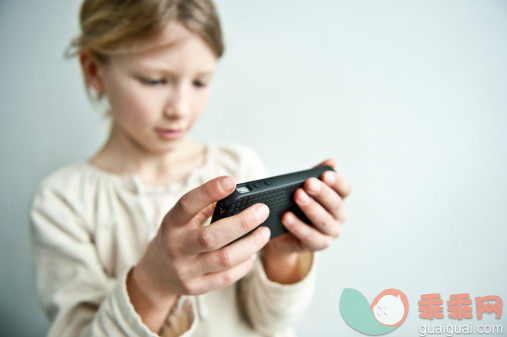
{"x": 390, "y": 307}
{"x": 386, "y": 313}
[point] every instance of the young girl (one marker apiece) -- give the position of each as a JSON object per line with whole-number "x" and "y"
{"x": 120, "y": 242}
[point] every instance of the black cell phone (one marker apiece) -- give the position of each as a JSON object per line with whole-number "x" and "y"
{"x": 276, "y": 192}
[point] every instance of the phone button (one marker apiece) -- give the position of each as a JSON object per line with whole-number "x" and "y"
{"x": 257, "y": 184}
{"x": 268, "y": 182}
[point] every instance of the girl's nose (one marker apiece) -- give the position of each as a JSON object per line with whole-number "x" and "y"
{"x": 178, "y": 103}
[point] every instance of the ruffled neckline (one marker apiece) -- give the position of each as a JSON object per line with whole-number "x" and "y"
{"x": 131, "y": 181}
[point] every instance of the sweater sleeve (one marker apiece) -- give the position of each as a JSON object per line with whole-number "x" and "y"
{"x": 77, "y": 295}
{"x": 272, "y": 307}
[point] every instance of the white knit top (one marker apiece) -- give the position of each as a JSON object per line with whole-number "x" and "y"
{"x": 90, "y": 227}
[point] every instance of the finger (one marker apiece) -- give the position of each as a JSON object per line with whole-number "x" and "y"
{"x": 310, "y": 237}
{"x": 342, "y": 216}
{"x": 194, "y": 201}
{"x": 337, "y": 183}
{"x": 221, "y": 279}
{"x": 324, "y": 195}
{"x": 223, "y": 231}
{"x": 235, "y": 253}
{"x": 318, "y": 216}
{"x": 203, "y": 215}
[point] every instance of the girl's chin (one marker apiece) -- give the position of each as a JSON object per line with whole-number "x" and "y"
{"x": 164, "y": 145}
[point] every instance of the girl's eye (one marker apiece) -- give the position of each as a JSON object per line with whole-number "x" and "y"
{"x": 153, "y": 82}
{"x": 199, "y": 84}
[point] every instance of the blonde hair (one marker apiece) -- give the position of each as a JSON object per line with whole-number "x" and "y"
{"x": 119, "y": 27}
{"x": 116, "y": 27}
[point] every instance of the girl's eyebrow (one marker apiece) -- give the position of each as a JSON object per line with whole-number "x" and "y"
{"x": 167, "y": 70}
{"x": 205, "y": 73}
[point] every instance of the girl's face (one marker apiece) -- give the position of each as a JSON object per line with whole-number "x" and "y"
{"x": 157, "y": 96}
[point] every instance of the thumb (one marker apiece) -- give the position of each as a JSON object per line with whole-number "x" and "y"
{"x": 189, "y": 205}
{"x": 205, "y": 214}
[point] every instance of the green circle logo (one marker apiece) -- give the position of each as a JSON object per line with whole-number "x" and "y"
{"x": 387, "y": 311}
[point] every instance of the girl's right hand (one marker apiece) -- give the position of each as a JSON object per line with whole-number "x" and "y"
{"x": 187, "y": 258}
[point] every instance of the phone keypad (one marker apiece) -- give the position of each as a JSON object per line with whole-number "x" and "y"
{"x": 279, "y": 201}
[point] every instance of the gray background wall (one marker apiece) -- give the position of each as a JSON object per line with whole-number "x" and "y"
{"x": 409, "y": 96}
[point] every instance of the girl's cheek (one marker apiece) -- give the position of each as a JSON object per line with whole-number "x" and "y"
{"x": 139, "y": 105}
{"x": 201, "y": 99}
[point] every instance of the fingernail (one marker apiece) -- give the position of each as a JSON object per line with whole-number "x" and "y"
{"x": 314, "y": 186}
{"x": 289, "y": 219}
{"x": 226, "y": 184}
{"x": 303, "y": 198}
{"x": 262, "y": 212}
{"x": 266, "y": 233}
{"x": 329, "y": 178}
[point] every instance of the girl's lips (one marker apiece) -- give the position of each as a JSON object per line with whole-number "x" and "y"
{"x": 169, "y": 134}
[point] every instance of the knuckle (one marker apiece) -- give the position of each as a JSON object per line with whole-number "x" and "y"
{"x": 339, "y": 202}
{"x": 185, "y": 203}
{"x": 208, "y": 191}
{"x": 206, "y": 239}
{"x": 245, "y": 221}
{"x": 249, "y": 264}
{"x": 310, "y": 235}
{"x": 198, "y": 289}
{"x": 226, "y": 258}
{"x": 325, "y": 244}
{"x": 335, "y": 202}
{"x": 323, "y": 224}
{"x": 312, "y": 210}
{"x": 227, "y": 279}
{"x": 189, "y": 288}
{"x": 259, "y": 239}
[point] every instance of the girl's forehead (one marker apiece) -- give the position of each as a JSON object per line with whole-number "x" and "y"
{"x": 174, "y": 33}
{"x": 174, "y": 47}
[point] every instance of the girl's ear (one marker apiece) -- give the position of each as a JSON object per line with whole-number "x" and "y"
{"x": 92, "y": 71}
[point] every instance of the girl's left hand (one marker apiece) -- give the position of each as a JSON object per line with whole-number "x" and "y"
{"x": 322, "y": 203}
